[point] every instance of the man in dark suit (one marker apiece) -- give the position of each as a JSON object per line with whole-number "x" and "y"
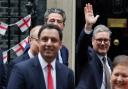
{"x": 33, "y": 73}
{"x": 2, "y": 73}
{"x": 93, "y": 64}
{"x": 57, "y": 17}
{"x": 29, "y": 53}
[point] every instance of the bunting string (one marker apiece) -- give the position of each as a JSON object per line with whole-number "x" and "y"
{"x": 18, "y": 49}
{"x": 23, "y": 24}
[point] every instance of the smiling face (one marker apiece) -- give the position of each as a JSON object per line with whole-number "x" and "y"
{"x": 101, "y": 42}
{"x": 49, "y": 43}
{"x": 119, "y": 78}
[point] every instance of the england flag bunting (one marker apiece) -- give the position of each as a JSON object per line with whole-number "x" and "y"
{"x": 3, "y": 28}
{"x": 19, "y": 48}
{"x": 5, "y": 56}
{"x": 24, "y": 23}
{"x": 24, "y": 42}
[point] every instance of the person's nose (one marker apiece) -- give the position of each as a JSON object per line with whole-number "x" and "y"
{"x": 102, "y": 42}
{"x": 55, "y": 23}
{"x": 49, "y": 42}
{"x": 120, "y": 79}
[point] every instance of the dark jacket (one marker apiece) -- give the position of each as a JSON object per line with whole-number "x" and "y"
{"x": 29, "y": 75}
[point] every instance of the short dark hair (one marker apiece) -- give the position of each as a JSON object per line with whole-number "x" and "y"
{"x": 54, "y": 10}
{"x": 49, "y": 27}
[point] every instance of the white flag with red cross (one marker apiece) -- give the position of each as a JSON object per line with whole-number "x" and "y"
{"x": 19, "y": 48}
{"x": 24, "y": 42}
{"x": 3, "y": 28}
{"x": 24, "y": 23}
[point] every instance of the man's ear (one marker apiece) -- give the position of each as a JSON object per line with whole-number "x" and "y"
{"x": 63, "y": 26}
{"x": 29, "y": 39}
{"x": 60, "y": 44}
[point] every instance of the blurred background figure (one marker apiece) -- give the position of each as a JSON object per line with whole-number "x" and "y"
{"x": 29, "y": 52}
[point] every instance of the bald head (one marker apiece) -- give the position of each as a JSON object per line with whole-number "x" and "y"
{"x": 34, "y": 31}
{"x": 33, "y": 39}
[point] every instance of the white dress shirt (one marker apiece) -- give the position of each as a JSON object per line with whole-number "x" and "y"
{"x": 44, "y": 68}
{"x": 103, "y": 78}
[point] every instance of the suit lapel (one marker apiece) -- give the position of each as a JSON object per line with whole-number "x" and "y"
{"x": 38, "y": 74}
{"x": 98, "y": 70}
{"x": 58, "y": 76}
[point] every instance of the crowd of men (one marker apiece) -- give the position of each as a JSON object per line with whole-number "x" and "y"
{"x": 44, "y": 63}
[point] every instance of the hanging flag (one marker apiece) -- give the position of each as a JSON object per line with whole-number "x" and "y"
{"x": 24, "y": 23}
{"x": 24, "y": 42}
{"x": 3, "y": 28}
{"x": 5, "y": 56}
{"x": 19, "y": 48}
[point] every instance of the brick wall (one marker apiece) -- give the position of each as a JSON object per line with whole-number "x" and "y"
{"x": 15, "y": 8}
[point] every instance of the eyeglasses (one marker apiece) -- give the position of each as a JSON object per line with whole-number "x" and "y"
{"x": 106, "y": 41}
{"x": 33, "y": 38}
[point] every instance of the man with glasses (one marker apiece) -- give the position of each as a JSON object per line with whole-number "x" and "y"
{"x": 32, "y": 51}
{"x": 93, "y": 67}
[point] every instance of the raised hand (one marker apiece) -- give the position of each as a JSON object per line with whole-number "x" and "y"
{"x": 89, "y": 15}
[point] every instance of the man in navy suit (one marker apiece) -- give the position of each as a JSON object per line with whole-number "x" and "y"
{"x": 29, "y": 53}
{"x": 91, "y": 68}
{"x": 33, "y": 73}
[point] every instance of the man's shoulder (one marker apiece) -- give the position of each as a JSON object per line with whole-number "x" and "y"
{"x": 28, "y": 61}
{"x": 64, "y": 47}
{"x": 63, "y": 67}
{"x": 20, "y": 58}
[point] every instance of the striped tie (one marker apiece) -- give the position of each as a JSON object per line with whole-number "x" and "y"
{"x": 107, "y": 74}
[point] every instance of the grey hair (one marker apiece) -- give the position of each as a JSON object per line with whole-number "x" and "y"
{"x": 120, "y": 60}
{"x": 54, "y": 10}
{"x": 101, "y": 28}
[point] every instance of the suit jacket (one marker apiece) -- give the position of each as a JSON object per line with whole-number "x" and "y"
{"x": 63, "y": 51}
{"x": 64, "y": 55}
{"x": 29, "y": 75}
{"x": 21, "y": 58}
{"x": 2, "y": 73}
{"x": 91, "y": 74}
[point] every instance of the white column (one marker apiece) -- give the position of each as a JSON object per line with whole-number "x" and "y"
{"x": 69, "y": 32}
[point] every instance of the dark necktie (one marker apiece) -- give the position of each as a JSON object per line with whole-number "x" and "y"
{"x": 50, "y": 79}
{"x": 107, "y": 74}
